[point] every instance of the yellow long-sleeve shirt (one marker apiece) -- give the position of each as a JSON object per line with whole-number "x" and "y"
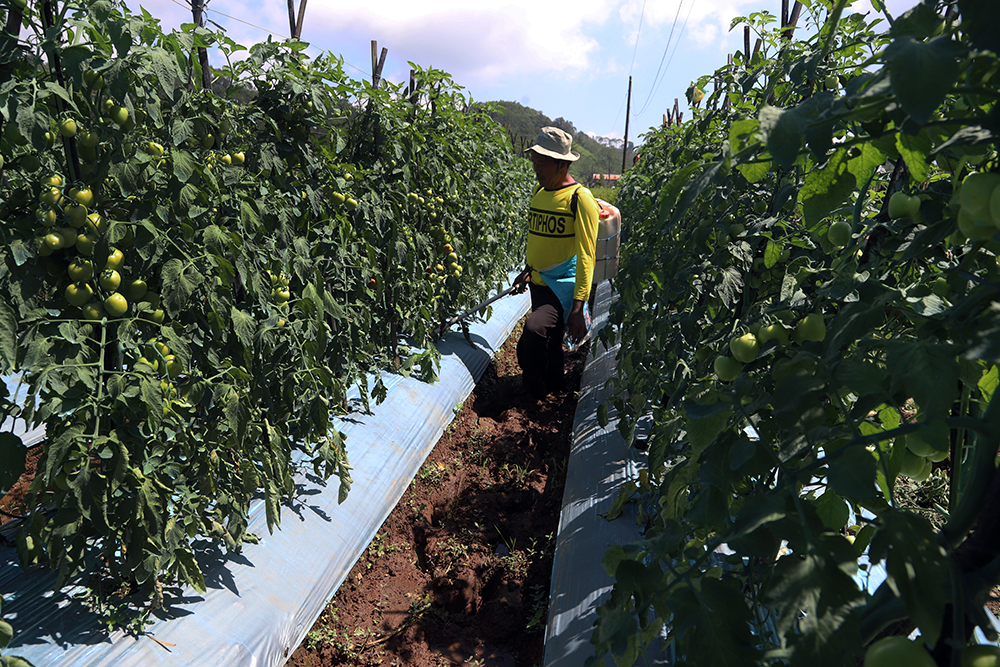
{"x": 555, "y": 234}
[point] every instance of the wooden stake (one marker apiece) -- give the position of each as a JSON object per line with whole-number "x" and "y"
{"x": 297, "y": 31}
{"x": 377, "y": 64}
{"x": 197, "y": 7}
{"x": 746, "y": 45}
{"x": 291, "y": 17}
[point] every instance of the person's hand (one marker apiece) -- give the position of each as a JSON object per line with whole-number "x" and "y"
{"x": 521, "y": 282}
{"x": 576, "y": 323}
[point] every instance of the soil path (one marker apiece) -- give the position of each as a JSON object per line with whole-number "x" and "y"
{"x": 459, "y": 572}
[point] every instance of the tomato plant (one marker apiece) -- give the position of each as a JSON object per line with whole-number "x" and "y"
{"x": 867, "y": 273}
{"x": 255, "y": 279}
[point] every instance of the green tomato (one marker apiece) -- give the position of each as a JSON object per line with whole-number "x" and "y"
{"x": 977, "y": 229}
{"x": 30, "y": 163}
{"x": 745, "y": 348}
{"x": 116, "y": 305}
{"x": 136, "y": 289}
{"x": 93, "y": 311}
{"x": 915, "y": 467}
{"x": 83, "y": 196}
{"x": 90, "y": 138}
{"x": 173, "y": 367}
{"x": 54, "y": 240}
{"x": 897, "y": 651}
{"x": 773, "y": 332}
{"x": 940, "y": 287}
{"x": 115, "y": 260}
{"x": 976, "y": 193}
{"x": 67, "y": 127}
{"x": 93, "y": 80}
{"x": 902, "y": 205}
{"x": 76, "y": 215}
{"x": 80, "y": 270}
{"x": 810, "y": 328}
{"x": 726, "y": 368}
{"x": 110, "y": 280}
{"x": 50, "y": 195}
{"x": 839, "y": 233}
{"x": 119, "y": 115}
{"x": 152, "y": 363}
{"x": 79, "y": 293}
{"x": 85, "y": 243}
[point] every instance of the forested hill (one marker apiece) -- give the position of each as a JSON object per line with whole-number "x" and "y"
{"x": 597, "y": 156}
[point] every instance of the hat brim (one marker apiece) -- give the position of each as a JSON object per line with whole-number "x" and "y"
{"x": 572, "y": 157}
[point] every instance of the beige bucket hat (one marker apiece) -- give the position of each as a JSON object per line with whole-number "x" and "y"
{"x": 555, "y": 143}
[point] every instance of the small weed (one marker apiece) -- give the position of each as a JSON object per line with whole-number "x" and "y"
{"x": 516, "y": 563}
{"x": 432, "y": 474}
{"x": 379, "y": 548}
{"x": 539, "y": 608}
{"x": 517, "y": 475}
{"x": 417, "y": 510}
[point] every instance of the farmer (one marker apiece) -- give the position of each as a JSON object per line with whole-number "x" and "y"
{"x": 562, "y": 236}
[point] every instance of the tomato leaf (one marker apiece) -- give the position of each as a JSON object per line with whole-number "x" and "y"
{"x": 922, "y": 73}
{"x": 191, "y": 573}
{"x": 979, "y": 19}
{"x": 783, "y": 129}
{"x": 772, "y": 254}
{"x": 852, "y": 472}
{"x": 8, "y": 339}
{"x": 833, "y": 510}
{"x": 917, "y": 567}
{"x": 927, "y": 371}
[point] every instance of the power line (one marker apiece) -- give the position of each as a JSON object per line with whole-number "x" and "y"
{"x": 638, "y": 33}
{"x": 267, "y": 30}
{"x": 662, "y": 59}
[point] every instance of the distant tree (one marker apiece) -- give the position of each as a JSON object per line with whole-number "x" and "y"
{"x": 564, "y": 124}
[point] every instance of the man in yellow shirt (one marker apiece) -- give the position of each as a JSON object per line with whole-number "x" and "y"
{"x": 562, "y": 230}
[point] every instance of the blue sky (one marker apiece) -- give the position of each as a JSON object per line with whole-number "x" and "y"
{"x": 566, "y": 60}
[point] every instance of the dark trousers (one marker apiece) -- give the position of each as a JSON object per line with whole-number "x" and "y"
{"x": 540, "y": 348}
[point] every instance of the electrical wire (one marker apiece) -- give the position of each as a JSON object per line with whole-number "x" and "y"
{"x": 666, "y": 50}
{"x": 187, "y": 5}
{"x": 631, "y": 67}
{"x": 638, "y": 33}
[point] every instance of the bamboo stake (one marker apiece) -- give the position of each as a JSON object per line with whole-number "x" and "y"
{"x": 291, "y": 17}
{"x": 197, "y": 8}
{"x": 297, "y": 33}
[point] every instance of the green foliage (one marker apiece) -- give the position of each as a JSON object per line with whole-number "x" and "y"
{"x": 876, "y": 357}
{"x": 285, "y": 245}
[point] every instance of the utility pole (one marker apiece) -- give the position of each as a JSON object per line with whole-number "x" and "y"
{"x": 628, "y": 112}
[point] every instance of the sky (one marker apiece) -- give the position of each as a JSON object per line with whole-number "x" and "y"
{"x": 569, "y": 60}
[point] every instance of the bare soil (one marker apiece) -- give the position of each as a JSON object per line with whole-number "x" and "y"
{"x": 12, "y": 503}
{"x": 459, "y": 572}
